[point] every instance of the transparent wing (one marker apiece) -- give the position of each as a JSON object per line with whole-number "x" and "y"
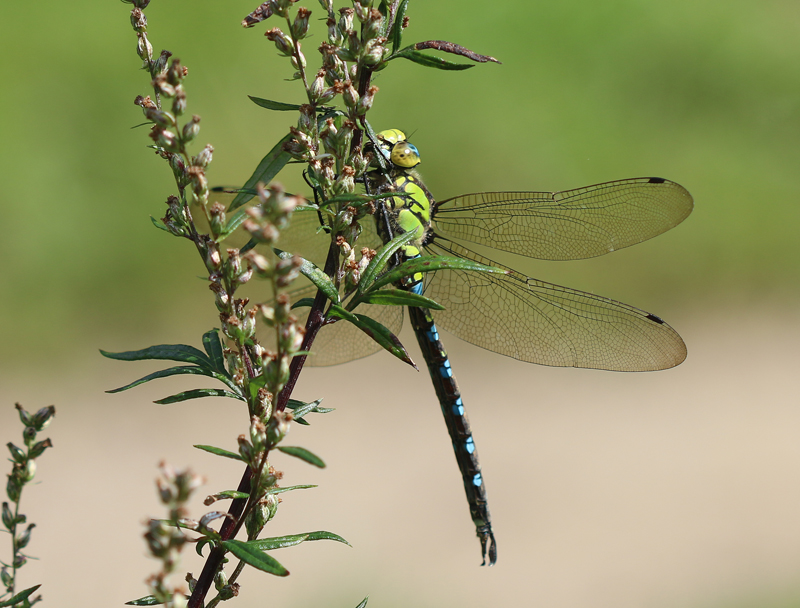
{"x": 569, "y": 225}
{"x": 539, "y": 322}
{"x": 341, "y": 341}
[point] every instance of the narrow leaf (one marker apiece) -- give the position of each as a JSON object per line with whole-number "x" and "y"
{"x": 316, "y": 276}
{"x": 165, "y": 373}
{"x": 229, "y": 494}
{"x": 213, "y": 347}
{"x": 234, "y": 221}
{"x": 197, "y": 393}
{"x": 396, "y": 297}
{"x": 384, "y": 255}
{"x": 170, "y": 352}
{"x": 219, "y": 452}
{"x": 280, "y": 542}
{"x": 303, "y": 302}
{"x": 432, "y": 263}
{"x": 273, "y": 105}
{"x": 397, "y": 27}
{"x": 380, "y": 333}
{"x": 456, "y": 49}
{"x": 288, "y": 489}
{"x": 277, "y": 542}
{"x": 19, "y": 597}
{"x": 429, "y": 61}
{"x": 267, "y": 169}
{"x": 147, "y": 600}
{"x": 254, "y": 557}
{"x": 363, "y": 603}
{"x": 159, "y": 224}
{"x": 302, "y": 454}
{"x": 300, "y": 409}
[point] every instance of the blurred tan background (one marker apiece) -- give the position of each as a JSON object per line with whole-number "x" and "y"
{"x": 678, "y": 488}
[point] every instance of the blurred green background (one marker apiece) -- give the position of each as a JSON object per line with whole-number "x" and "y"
{"x": 703, "y": 93}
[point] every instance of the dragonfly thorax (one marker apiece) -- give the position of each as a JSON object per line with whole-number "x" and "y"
{"x": 409, "y": 211}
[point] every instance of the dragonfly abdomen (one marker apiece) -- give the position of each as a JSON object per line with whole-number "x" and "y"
{"x": 457, "y": 427}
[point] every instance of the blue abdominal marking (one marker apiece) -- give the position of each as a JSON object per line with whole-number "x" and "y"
{"x": 470, "y": 445}
{"x": 458, "y": 407}
{"x": 477, "y": 480}
{"x": 445, "y": 370}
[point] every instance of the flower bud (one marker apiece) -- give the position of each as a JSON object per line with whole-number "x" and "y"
{"x": 350, "y": 95}
{"x": 43, "y": 418}
{"x": 30, "y": 470}
{"x": 176, "y": 72}
{"x": 346, "y": 19}
{"x": 300, "y": 25}
{"x": 165, "y": 120}
{"x": 161, "y": 63}
{"x": 191, "y": 129}
{"x": 179, "y": 102}
{"x": 373, "y": 51}
{"x": 143, "y": 48}
{"x": 365, "y": 103}
{"x": 18, "y": 454}
{"x": 13, "y": 488}
{"x": 204, "y": 156}
{"x": 372, "y": 27}
{"x": 138, "y": 21}
{"x": 24, "y": 416}
{"x": 8, "y": 517}
{"x": 24, "y": 538}
{"x": 361, "y": 11}
{"x": 39, "y": 448}
{"x": 282, "y": 42}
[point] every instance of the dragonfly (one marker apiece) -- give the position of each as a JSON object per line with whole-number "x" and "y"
{"x": 511, "y": 314}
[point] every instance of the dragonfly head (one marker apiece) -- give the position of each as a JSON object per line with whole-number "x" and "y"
{"x": 397, "y": 150}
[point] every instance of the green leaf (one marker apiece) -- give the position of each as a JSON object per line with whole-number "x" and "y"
{"x": 395, "y": 297}
{"x": 397, "y": 28}
{"x": 254, "y": 557}
{"x": 315, "y": 275}
{"x": 165, "y": 373}
{"x": 159, "y": 224}
{"x": 363, "y": 603}
{"x": 384, "y": 255}
{"x": 219, "y": 452}
{"x": 380, "y": 333}
{"x": 213, "y": 347}
{"x": 303, "y": 302}
{"x": 147, "y": 600}
{"x": 228, "y": 494}
{"x": 429, "y": 61}
{"x": 288, "y": 489}
{"x": 432, "y": 263}
{"x": 197, "y": 393}
{"x": 302, "y": 454}
{"x": 273, "y": 105}
{"x": 19, "y": 597}
{"x": 300, "y": 409}
{"x": 169, "y": 352}
{"x": 267, "y": 169}
{"x": 280, "y": 542}
{"x": 277, "y": 542}
{"x": 234, "y": 221}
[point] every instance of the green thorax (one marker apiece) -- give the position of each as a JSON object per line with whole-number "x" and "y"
{"x": 411, "y": 209}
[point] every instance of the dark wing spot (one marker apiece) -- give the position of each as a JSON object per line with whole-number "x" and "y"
{"x": 657, "y": 180}
{"x": 655, "y": 319}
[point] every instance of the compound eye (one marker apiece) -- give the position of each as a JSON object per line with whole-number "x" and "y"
{"x": 405, "y": 155}
{"x": 391, "y": 136}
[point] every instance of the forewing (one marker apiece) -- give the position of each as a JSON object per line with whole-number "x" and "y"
{"x": 569, "y": 225}
{"x": 339, "y": 342}
{"x": 539, "y": 322}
